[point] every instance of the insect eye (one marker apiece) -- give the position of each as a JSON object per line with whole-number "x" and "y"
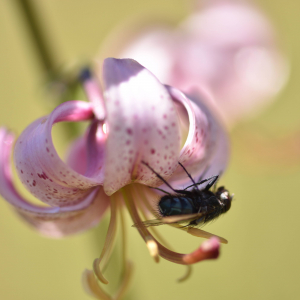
{"x": 224, "y": 196}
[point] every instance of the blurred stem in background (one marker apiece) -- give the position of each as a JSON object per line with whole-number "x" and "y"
{"x": 46, "y": 58}
{"x": 61, "y": 85}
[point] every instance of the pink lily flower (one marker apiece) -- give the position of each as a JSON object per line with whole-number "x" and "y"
{"x": 226, "y": 46}
{"x": 136, "y": 120}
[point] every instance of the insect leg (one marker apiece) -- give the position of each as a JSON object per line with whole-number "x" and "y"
{"x": 202, "y": 181}
{"x": 188, "y": 174}
{"x": 210, "y": 184}
{"x": 159, "y": 176}
{"x": 159, "y": 190}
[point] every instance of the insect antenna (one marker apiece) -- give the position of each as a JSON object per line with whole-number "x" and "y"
{"x": 188, "y": 174}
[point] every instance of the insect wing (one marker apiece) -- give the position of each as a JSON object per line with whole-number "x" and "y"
{"x": 155, "y": 222}
{"x": 168, "y": 220}
{"x": 181, "y": 218}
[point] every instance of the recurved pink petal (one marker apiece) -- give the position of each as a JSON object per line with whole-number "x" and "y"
{"x": 78, "y": 149}
{"x": 40, "y": 168}
{"x": 51, "y": 221}
{"x": 207, "y": 145}
{"x": 142, "y": 124}
{"x": 151, "y": 47}
{"x": 71, "y": 221}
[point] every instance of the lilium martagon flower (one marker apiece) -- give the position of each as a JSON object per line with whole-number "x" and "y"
{"x": 135, "y": 122}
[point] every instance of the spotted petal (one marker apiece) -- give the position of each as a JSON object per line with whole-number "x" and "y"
{"x": 142, "y": 123}
{"x": 40, "y": 168}
{"x": 207, "y": 145}
{"x": 51, "y": 221}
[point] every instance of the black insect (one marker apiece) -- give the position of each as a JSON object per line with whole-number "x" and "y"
{"x": 194, "y": 207}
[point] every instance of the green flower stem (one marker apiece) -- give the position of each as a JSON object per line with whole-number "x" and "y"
{"x": 38, "y": 36}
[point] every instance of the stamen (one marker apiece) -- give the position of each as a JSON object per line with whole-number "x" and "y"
{"x": 186, "y": 275}
{"x": 96, "y": 268}
{"x": 183, "y": 259}
{"x": 204, "y": 234}
{"x": 90, "y": 283}
{"x": 152, "y": 247}
{"x": 145, "y": 209}
{"x": 124, "y": 239}
{"x": 109, "y": 242}
{"x": 136, "y": 219}
{"x": 208, "y": 250}
{"x": 126, "y": 281}
{"x": 92, "y": 287}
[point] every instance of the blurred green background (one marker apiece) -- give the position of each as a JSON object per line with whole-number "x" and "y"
{"x": 261, "y": 260}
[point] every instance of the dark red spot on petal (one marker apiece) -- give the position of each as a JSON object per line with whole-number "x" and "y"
{"x": 129, "y": 130}
{"x": 152, "y": 151}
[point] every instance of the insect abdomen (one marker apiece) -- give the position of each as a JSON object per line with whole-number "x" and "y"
{"x": 170, "y": 206}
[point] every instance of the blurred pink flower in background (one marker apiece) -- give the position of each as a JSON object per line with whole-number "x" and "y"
{"x": 136, "y": 119}
{"x": 227, "y": 47}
